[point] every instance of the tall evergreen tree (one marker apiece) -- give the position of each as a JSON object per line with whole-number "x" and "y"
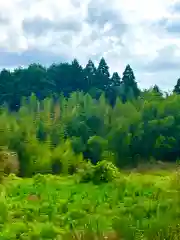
{"x": 77, "y": 76}
{"x": 113, "y": 90}
{"x": 103, "y": 75}
{"x": 177, "y": 87}
{"x": 157, "y": 90}
{"x": 90, "y": 72}
{"x": 130, "y": 88}
{"x": 115, "y": 80}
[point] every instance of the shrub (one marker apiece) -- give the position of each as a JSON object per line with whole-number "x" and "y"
{"x": 103, "y": 172}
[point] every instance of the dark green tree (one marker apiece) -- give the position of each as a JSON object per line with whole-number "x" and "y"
{"x": 115, "y": 80}
{"x": 90, "y": 72}
{"x": 7, "y": 88}
{"x": 77, "y": 75}
{"x": 157, "y": 90}
{"x": 61, "y": 75}
{"x": 177, "y": 87}
{"x": 113, "y": 91}
{"x": 36, "y": 81}
{"x": 129, "y": 85}
{"x": 103, "y": 80}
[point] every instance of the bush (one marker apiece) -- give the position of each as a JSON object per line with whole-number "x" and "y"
{"x": 103, "y": 172}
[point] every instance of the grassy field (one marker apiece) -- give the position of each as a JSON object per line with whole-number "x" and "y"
{"x": 136, "y": 206}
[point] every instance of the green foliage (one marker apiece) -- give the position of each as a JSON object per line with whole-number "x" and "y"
{"x": 177, "y": 87}
{"x": 64, "y": 159}
{"x": 103, "y": 172}
{"x": 129, "y": 85}
{"x": 86, "y": 172}
{"x": 51, "y": 207}
{"x": 58, "y": 78}
{"x": 85, "y": 114}
{"x": 96, "y": 146}
{"x": 56, "y": 137}
{"x": 103, "y": 75}
{"x": 82, "y": 125}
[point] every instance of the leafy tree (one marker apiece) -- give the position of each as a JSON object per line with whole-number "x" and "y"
{"x": 61, "y": 75}
{"x": 95, "y": 148}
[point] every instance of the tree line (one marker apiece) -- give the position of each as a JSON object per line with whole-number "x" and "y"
{"x": 66, "y": 78}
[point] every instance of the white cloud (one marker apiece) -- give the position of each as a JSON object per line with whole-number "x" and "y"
{"x": 126, "y": 31}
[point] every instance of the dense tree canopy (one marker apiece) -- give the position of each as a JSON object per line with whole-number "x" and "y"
{"x": 65, "y": 78}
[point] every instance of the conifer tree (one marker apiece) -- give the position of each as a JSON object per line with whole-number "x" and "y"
{"x": 90, "y": 72}
{"x": 103, "y": 75}
{"x": 77, "y": 76}
{"x": 129, "y": 84}
{"x": 177, "y": 87}
{"x": 115, "y": 80}
{"x": 113, "y": 90}
{"x": 157, "y": 90}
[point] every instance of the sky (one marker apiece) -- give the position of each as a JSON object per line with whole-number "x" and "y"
{"x": 144, "y": 34}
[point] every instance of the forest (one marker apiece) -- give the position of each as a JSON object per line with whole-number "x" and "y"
{"x": 85, "y": 112}
{"x": 68, "y": 135}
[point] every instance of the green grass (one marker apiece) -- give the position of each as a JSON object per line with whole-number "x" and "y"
{"x": 136, "y": 206}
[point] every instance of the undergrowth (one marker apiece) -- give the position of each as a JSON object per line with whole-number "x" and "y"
{"x": 133, "y": 206}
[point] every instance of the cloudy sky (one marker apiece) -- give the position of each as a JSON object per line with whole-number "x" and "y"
{"x": 145, "y": 34}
